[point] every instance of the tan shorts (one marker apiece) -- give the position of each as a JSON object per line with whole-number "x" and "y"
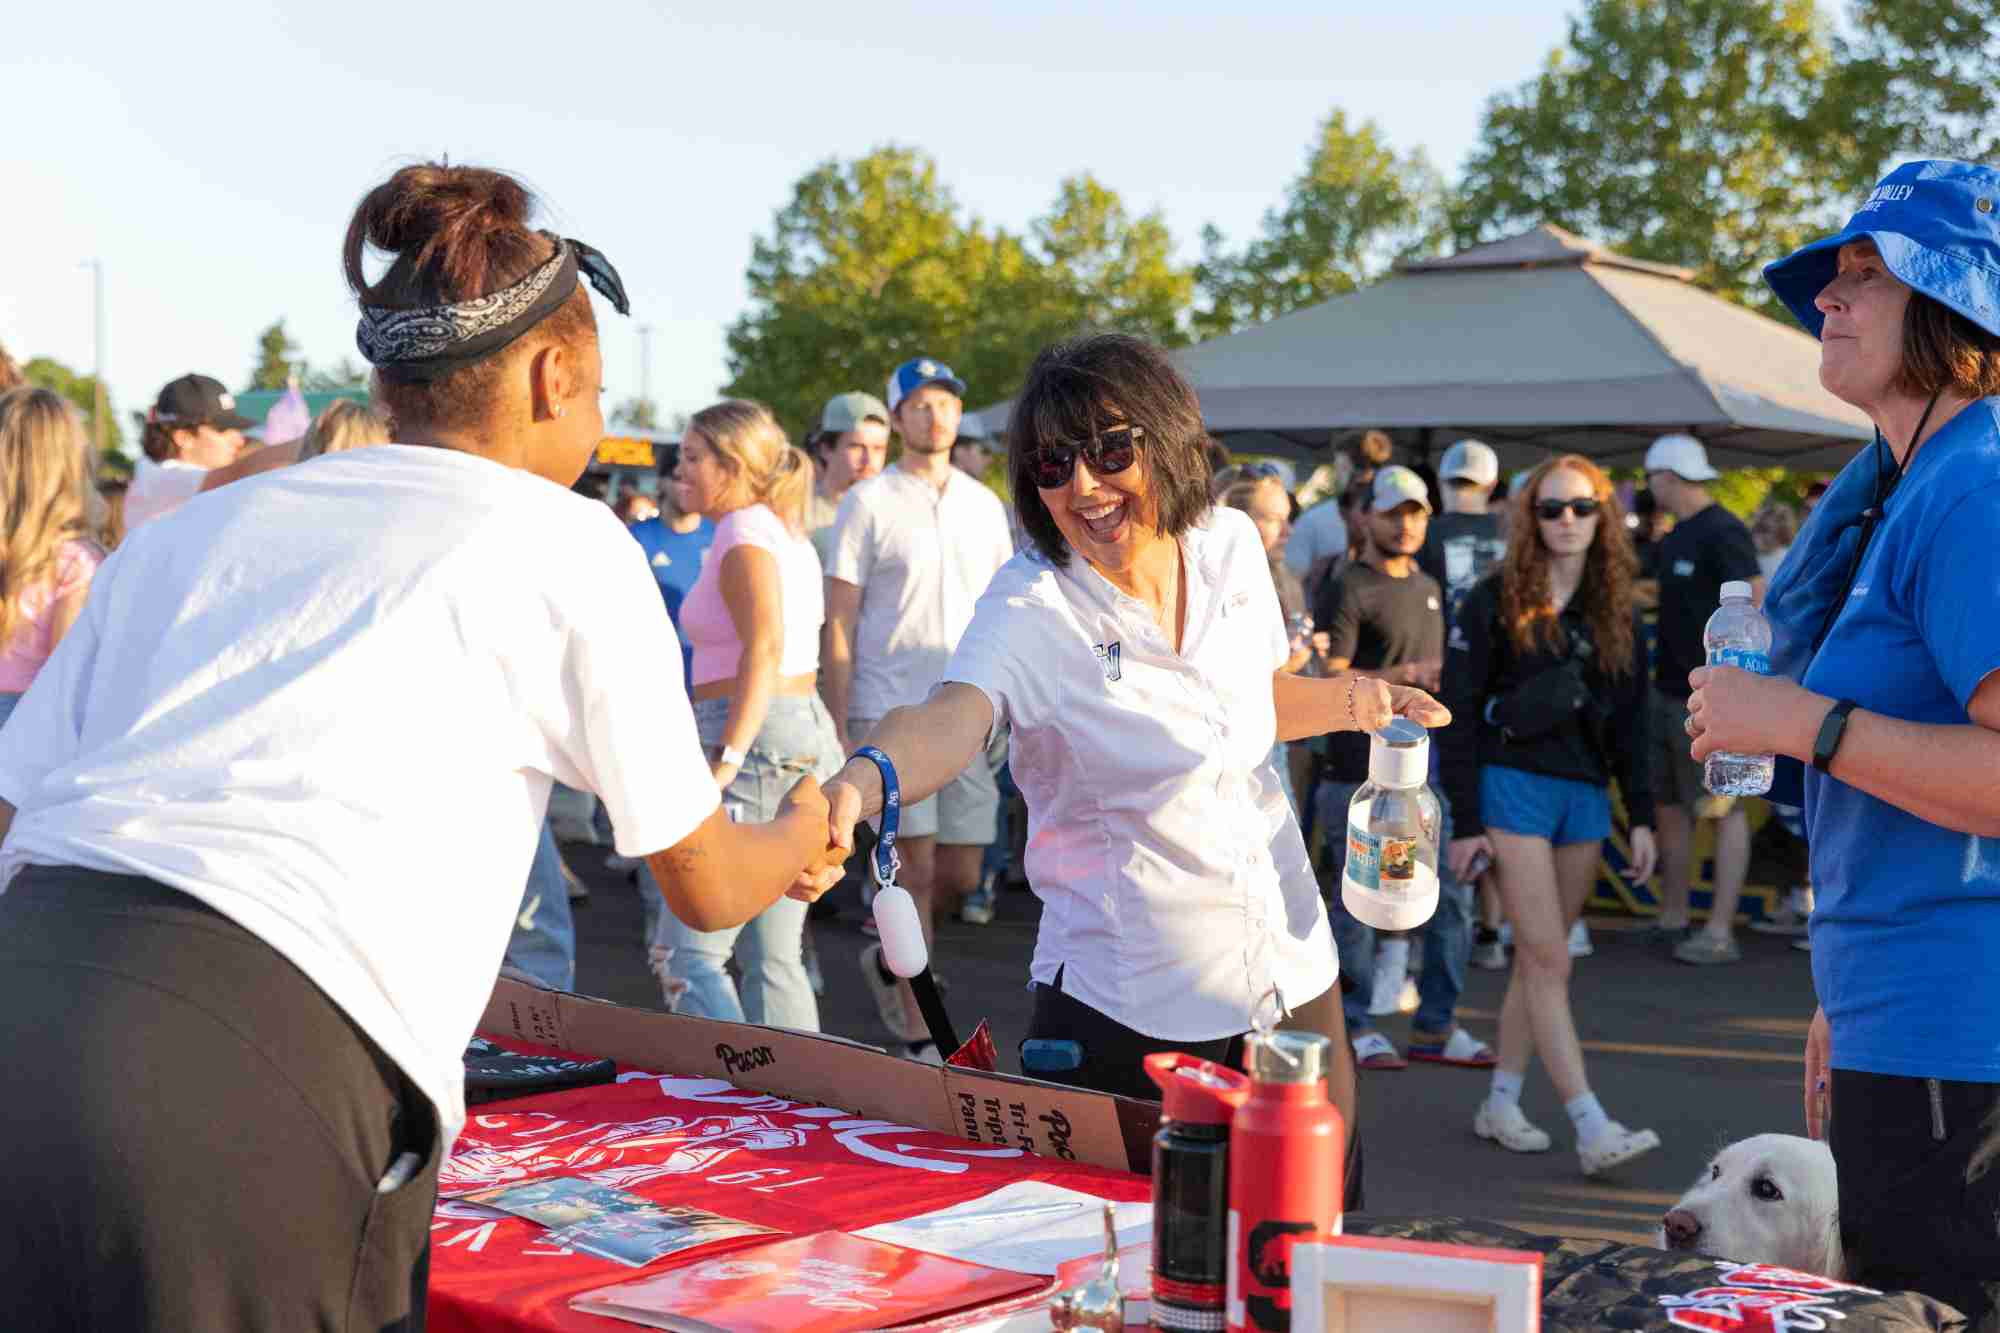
{"x": 1678, "y": 781}
{"x": 964, "y": 814}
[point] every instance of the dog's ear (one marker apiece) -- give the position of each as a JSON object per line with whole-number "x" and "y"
{"x": 1833, "y": 1263}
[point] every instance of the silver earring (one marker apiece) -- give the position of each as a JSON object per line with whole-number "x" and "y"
{"x": 557, "y": 410}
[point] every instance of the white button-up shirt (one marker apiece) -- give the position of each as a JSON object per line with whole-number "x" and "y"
{"x": 921, "y": 556}
{"x": 1175, "y": 883}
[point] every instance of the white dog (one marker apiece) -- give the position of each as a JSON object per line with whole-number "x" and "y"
{"x": 1772, "y": 1199}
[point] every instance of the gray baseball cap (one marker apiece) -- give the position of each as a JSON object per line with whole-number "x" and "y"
{"x": 846, "y": 411}
{"x": 1470, "y": 460}
{"x": 1396, "y": 485}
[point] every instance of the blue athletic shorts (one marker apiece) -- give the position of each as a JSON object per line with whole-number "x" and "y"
{"x": 1562, "y": 810}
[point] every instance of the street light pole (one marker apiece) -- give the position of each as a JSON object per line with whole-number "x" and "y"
{"x": 100, "y": 402}
{"x": 646, "y": 365}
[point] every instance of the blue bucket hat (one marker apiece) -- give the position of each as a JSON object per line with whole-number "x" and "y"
{"x": 1937, "y": 225}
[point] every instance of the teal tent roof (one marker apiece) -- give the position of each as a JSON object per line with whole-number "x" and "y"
{"x": 257, "y": 403}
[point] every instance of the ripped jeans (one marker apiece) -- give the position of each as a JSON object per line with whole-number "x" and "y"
{"x": 797, "y": 738}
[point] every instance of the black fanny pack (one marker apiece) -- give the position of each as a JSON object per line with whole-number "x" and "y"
{"x": 1552, "y": 696}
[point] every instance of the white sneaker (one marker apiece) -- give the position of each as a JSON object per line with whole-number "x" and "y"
{"x": 1505, "y": 1124}
{"x": 923, "y": 1052}
{"x": 889, "y": 999}
{"x": 1392, "y": 996}
{"x": 1615, "y": 1146}
{"x": 1579, "y": 941}
{"x": 1491, "y": 955}
{"x": 1790, "y": 918}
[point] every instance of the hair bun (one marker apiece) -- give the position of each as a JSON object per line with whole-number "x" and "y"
{"x": 455, "y": 233}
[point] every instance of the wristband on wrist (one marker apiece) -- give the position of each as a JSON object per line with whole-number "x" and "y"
{"x": 1831, "y": 731}
{"x": 886, "y": 861}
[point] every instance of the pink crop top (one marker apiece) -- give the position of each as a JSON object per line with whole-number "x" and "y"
{"x": 705, "y": 621}
{"x": 33, "y": 638}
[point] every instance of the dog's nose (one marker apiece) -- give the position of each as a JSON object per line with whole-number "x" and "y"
{"x": 1683, "y": 1229}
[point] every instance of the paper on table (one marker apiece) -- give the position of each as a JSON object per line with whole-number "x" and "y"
{"x": 995, "y": 1230}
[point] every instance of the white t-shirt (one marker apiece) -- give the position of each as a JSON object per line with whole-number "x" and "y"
{"x": 1320, "y": 532}
{"x": 328, "y": 701}
{"x": 1175, "y": 883}
{"x": 160, "y": 488}
{"x": 921, "y": 556}
{"x": 705, "y": 618}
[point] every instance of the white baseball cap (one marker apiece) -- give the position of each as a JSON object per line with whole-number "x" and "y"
{"x": 1470, "y": 460}
{"x": 1681, "y": 455}
{"x": 1397, "y": 485}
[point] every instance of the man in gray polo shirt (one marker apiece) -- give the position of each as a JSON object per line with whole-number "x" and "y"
{"x": 912, "y": 550}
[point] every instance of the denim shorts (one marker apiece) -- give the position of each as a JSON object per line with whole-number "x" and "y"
{"x": 797, "y": 738}
{"x": 1562, "y": 810}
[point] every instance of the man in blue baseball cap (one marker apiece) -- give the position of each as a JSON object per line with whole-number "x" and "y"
{"x": 1886, "y": 681}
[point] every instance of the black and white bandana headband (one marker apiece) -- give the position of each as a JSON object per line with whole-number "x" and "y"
{"x": 427, "y": 342}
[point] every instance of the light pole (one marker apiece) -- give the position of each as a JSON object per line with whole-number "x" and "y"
{"x": 646, "y": 369}
{"x": 100, "y": 401}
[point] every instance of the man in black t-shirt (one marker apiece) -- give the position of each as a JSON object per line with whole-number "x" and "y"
{"x": 1384, "y": 616}
{"x": 1707, "y": 548}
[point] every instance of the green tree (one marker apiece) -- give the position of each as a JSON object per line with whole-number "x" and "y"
{"x": 48, "y": 373}
{"x": 1683, "y": 131}
{"x": 1355, "y": 208}
{"x": 276, "y": 356}
{"x": 344, "y": 376}
{"x": 1109, "y": 270}
{"x": 1915, "y": 77}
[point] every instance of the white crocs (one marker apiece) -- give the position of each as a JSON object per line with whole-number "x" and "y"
{"x": 1615, "y": 1146}
{"x": 1504, "y": 1123}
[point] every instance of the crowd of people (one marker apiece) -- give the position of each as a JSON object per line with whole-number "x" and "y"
{"x": 1102, "y": 657}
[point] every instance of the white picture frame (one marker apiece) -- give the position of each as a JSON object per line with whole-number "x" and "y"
{"x": 1369, "y": 1284}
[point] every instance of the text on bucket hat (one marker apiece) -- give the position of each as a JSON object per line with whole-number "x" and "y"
{"x": 1937, "y": 227}
{"x": 914, "y": 375}
{"x": 844, "y": 412}
{"x": 1681, "y": 455}
{"x": 1397, "y": 485}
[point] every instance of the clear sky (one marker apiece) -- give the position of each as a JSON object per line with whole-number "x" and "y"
{"x": 210, "y": 152}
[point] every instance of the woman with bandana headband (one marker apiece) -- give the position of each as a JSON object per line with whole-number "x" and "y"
{"x": 268, "y": 805}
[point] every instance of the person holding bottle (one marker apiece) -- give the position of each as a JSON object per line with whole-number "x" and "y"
{"x": 1886, "y": 660}
{"x": 1136, "y": 652}
{"x": 1526, "y": 775}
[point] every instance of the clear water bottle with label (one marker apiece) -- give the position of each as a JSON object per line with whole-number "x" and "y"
{"x": 1391, "y": 878}
{"x": 1738, "y": 635}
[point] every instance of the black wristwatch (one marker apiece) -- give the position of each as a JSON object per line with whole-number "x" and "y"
{"x": 1830, "y": 732}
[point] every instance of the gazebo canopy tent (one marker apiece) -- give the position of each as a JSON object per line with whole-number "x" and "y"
{"x": 1541, "y": 343}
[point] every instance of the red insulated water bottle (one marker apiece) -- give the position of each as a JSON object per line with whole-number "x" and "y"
{"x": 1287, "y": 1148}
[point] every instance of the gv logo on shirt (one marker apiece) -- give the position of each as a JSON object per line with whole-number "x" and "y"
{"x": 660, "y": 560}
{"x": 1107, "y": 657}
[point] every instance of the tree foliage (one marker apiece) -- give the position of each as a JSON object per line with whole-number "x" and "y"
{"x": 1915, "y": 78}
{"x": 345, "y": 375}
{"x": 873, "y": 261}
{"x": 1684, "y": 131}
{"x": 48, "y": 373}
{"x": 1356, "y": 207}
{"x": 275, "y": 359}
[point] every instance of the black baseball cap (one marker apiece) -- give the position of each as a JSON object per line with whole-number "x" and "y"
{"x": 197, "y": 400}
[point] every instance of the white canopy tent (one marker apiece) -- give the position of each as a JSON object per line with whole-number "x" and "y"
{"x": 1541, "y": 343}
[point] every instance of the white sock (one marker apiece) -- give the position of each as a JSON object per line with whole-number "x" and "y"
{"x": 1392, "y": 958}
{"x": 1587, "y": 1116}
{"x": 1506, "y": 1087}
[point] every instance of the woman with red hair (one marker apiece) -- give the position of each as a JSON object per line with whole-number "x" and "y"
{"x": 1546, "y": 665}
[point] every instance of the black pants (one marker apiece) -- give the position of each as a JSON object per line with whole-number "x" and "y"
{"x": 1114, "y": 1061}
{"x": 192, "y": 1134}
{"x": 1919, "y": 1167}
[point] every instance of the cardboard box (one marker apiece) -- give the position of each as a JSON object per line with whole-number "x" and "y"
{"x": 999, "y": 1110}
{"x": 1362, "y": 1284}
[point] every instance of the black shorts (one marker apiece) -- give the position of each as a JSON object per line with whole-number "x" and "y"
{"x": 194, "y": 1133}
{"x": 1114, "y": 1061}
{"x": 1919, "y": 1167}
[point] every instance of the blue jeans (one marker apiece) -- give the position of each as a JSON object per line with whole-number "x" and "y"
{"x": 797, "y": 738}
{"x": 1447, "y": 935}
{"x": 544, "y": 941}
{"x": 7, "y": 701}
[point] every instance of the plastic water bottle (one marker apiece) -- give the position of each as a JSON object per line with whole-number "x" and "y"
{"x": 1391, "y": 880}
{"x": 1738, "y": 635}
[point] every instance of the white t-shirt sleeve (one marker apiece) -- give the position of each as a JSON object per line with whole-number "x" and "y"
{"x": 635, "y": 743}
{"x": 999, "y": 652}
{"x": 852, "y": 549}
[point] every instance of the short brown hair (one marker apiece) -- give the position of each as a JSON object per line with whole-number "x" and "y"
{"x": 1075, "y": 390}
{"x": 1943, "y": 350}
{"x": 1373, "y": 448}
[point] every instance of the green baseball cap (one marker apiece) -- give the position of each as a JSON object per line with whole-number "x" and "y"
{"x": 846, "y": 411}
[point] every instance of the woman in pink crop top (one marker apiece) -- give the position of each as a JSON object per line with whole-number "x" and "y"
{"x": 753, "y": 619}
{"x": 47, "y": 555}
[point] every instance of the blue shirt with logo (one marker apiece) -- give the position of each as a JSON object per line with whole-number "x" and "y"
{"x": 1906, "y": 923}
{"x": 675, "y": 559}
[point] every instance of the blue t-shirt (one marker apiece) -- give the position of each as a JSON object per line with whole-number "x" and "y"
{"x": 675, "y": 558}
{"x": 1906, "y": 919}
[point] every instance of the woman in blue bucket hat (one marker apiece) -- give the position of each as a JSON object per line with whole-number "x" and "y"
{"x": 1886, "y": 689}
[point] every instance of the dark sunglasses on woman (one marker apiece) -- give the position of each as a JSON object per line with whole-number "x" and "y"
{"x": 1051, "y": 467}
{"x": 1551, "y": 510}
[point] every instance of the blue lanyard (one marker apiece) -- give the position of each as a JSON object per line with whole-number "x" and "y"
{"x": 886, "y": 862}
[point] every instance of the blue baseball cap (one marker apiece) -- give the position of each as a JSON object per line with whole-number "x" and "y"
{"x": 914, "y": 375}
{"x": 1937, "y": 226}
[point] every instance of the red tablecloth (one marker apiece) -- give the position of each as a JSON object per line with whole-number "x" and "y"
{"x": 787, "y": 1165}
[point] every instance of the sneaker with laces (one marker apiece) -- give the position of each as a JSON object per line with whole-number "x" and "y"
{"x": 977, "y": 909}
{"x": 1614, "y": 1146}
{"x": 1505, "y": 1124}
{"x": 888, "y": 995}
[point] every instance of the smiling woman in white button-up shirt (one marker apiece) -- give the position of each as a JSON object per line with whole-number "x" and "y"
{"x": 1143, "y": 685}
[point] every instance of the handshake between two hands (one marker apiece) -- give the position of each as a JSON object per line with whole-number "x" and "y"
{"x": 823, "y": 820}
